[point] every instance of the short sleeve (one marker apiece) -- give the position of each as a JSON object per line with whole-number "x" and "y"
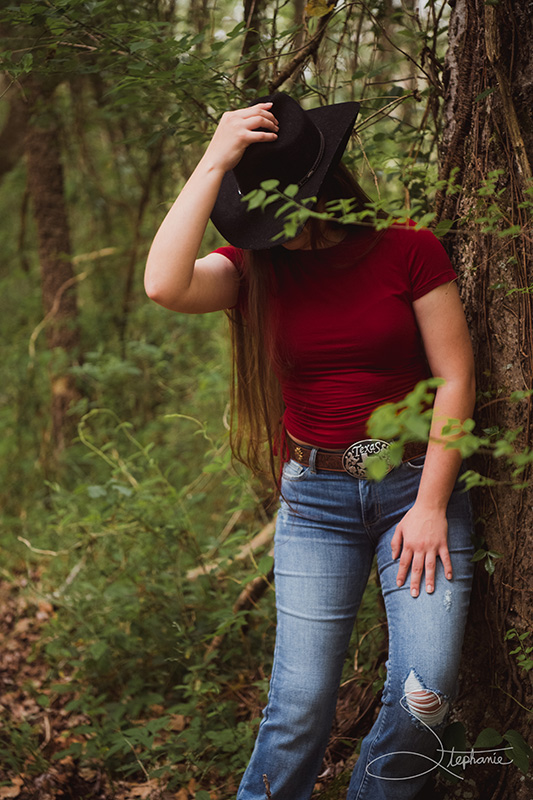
{"x": 428, "y": 262}
{"x": 236, "y": 256}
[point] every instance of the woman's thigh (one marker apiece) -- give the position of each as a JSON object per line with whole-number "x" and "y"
{"x": 323, "y": 557}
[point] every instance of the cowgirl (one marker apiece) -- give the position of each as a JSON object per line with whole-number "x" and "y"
{"x": 328, "y": 325}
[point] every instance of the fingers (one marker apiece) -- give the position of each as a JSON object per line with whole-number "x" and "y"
{"x": 254, "y": 124}
{"x": 446, "y": 562}
{"x": 396, "y": 544}
{"x": 421, "y": 559}
{"x": 261, "y": 119}
{"x": 420, "y": 563}
{"x": 258, "y": 116}
{"x": 261, "y": 109}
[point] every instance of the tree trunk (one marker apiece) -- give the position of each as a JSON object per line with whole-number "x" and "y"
{"x": 252, "y": 40}
{"x": 488, "y": 125}
{"x": 58, "y": 282}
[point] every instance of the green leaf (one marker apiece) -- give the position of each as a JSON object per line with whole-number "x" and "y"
{"x": 513, "y": 230}
{"x": 43, "y": 700}
{"x": 291, "y": 190}
{"x": 273, "y": 198}
{"x": 425, "y": 220}
{"x": 484, "y": 94}
{"x": 144, "y": 44}
{"x": 442, "y": 227}
{"x": 376, "y": 467}
{"x": 256, "y": 200}
{"x": 265, "y": 565}
{"x": 96, "y": 491}
{"x": 127, "y": 491}
{"x": 489, "y": 737}
{"x": 269, "y": 186}
{"x": 520, "y": 395}
{"x": 521, "y": 752}
{"x": 283, "y": 208}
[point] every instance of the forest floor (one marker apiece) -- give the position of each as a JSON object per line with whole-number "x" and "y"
{"x": 36, "y": 724}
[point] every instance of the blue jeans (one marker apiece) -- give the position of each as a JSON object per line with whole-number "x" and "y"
{"x": 329, "y": 527}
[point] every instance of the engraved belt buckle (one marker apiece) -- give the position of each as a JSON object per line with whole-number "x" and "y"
{"x": 354, "y": 457}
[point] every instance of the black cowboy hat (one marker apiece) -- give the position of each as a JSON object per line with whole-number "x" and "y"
{"x": 309, "y": 146}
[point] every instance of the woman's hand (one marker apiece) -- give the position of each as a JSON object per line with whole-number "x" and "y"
{"x": 236, "y": 130}
{"x": 421, "y": 537}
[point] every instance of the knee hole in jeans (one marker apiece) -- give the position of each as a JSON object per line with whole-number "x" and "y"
{"x": 425, "y": 705}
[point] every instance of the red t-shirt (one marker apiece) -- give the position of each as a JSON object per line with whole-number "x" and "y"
{"x": 348, "y": 331}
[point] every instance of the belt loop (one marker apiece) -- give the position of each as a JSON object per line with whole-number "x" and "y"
{"x": 312, "y": 460}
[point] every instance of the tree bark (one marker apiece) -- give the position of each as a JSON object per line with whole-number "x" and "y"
{"x": 488, "y": 125}
{"x": 58, "y": 282}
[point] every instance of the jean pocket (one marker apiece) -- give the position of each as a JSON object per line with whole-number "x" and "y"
{"x": 293, "y": 471}
{"x": 416, "y": 463}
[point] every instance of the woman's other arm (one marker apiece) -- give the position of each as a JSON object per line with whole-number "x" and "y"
{"x": 174, "y": 276}
{"x": 421, "y": 536}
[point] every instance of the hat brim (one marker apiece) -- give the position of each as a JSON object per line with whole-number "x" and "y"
{"x": 259, "y": 229}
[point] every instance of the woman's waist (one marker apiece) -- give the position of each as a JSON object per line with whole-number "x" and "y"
{"x": 334, "y": 435}
{"x": 334, "y": 423}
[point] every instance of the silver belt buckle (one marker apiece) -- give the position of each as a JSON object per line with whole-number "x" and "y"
{"x": 354, "y": 457}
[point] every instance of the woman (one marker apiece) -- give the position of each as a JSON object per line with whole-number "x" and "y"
{"x": 329, "y": 323}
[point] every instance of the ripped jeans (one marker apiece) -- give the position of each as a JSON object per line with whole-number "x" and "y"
{"x": 329, "y": 527}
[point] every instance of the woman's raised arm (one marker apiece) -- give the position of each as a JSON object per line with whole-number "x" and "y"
{"x": 174, "y": 276}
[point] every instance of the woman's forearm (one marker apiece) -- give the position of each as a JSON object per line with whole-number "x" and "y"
{"x": 454, "y": 400}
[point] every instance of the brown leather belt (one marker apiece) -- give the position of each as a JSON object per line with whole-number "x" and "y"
{"x": 352, "y": 459}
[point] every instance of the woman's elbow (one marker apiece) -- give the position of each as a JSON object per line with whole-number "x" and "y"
{"x": 157, "y": 286}
{"x": 153, "y": 287}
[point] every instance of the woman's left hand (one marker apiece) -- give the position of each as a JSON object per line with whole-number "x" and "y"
{"x": 421, "y": 537}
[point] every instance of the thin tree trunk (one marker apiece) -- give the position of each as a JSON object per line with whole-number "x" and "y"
{"x": 155, "y": 162}
{"x": 488, "y": 125}
{"x": 58, "y": 282}
{"x": 252, "y": 39}
{"x": 298, "y": 12}
{"x": 12, "y": 133}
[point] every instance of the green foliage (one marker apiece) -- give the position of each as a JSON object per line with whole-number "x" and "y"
{"x": 20, "y": 746}
{"x": 522, "y": 652}
{"x": 132, "y": 626}
{"x": 488, "y": 557}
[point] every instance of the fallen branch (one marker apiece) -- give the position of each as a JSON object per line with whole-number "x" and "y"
{"x": 247, "y": 599}
{"x": 262, "y": 538}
